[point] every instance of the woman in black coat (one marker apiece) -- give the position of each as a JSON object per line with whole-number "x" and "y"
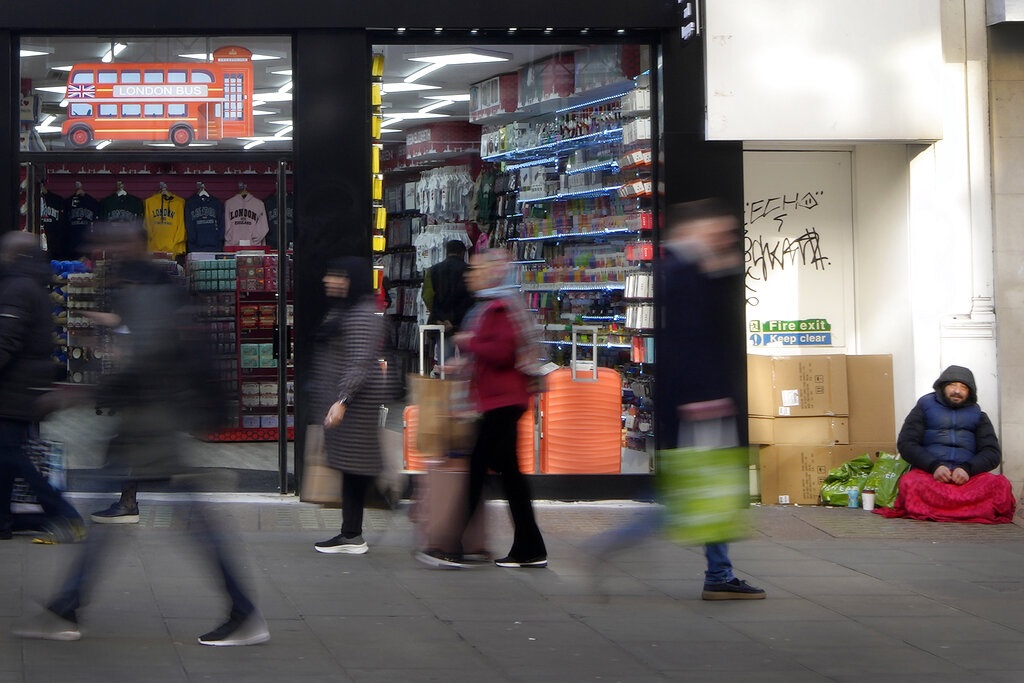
{"x": 348, "y": 385}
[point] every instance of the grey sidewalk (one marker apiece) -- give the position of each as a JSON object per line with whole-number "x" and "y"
{"x": 852, "y": 597}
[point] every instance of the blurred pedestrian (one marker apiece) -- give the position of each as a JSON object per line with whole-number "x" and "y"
{"x": 348, "y": 386}
{"x": 161, "y": 388}
{"x": 701, "y": 379}
{"x": 27, "y": 371}
{"x": 446, "y": 294}
{"x": 501, "y": 345}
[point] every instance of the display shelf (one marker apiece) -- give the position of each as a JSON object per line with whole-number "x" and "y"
{"x": 607, "y": 345}
{"x": 578, "y": 236}
{"x": 609, "y": 165}
{"x": 571, "y": 195}
{"x": 572, "y": 286}
{"x": 558, "y": 146}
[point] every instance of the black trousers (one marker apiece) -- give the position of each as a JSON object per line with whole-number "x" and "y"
{"x": 495, "y": 449}
{"x": 353, "y": 501}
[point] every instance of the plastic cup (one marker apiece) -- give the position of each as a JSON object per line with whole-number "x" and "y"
{"x": 852, "y": 495}
{"x": 868, "y": 498}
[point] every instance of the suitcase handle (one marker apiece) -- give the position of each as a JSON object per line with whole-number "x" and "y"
{"x": 423, "y": 354}
{"x": 577, "y": 331}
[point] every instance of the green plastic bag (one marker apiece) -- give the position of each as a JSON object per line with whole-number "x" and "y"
{"x": 884, "y": 478}
{"x": 851, "y": 474}
{"x": 706, "y": 494}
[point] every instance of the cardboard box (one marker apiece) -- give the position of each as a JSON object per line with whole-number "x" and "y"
{"x": 793, "y": 474}
{"x": 870, "y": 386}
{"x": 821, "y": 431}
{"x": 797, "y": 386}
{"x": 251, "y": 421}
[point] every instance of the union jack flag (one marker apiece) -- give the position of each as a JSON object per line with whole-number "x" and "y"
{"x": 81, "y": 91}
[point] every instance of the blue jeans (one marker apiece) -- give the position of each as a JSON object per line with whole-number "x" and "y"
{"x": 15, "y": 463}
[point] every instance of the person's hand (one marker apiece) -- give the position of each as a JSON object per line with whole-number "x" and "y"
{"x": 462, "y": 338}
{"x": 943, "y": 475}
{"x": 335, "y": 414}
{"x": 448, "y": 327}
{"x": 960, "y": 476}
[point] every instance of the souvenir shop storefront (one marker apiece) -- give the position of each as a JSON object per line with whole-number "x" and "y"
{"x": 255, "y": 149}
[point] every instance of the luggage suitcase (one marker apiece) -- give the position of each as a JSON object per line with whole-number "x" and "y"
{"x": 441, "y": 507}
{"x": 412, "y": 458}
{"x": 581, "y": 414}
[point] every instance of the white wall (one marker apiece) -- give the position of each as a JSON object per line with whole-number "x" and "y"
{"x": 823, "y": 69}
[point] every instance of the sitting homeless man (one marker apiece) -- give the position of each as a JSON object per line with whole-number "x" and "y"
{"x": 951, "y": 446}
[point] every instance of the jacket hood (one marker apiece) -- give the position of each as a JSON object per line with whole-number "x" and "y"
{"x": 956, "y": 373}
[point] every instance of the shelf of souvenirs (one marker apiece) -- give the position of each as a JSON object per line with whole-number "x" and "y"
{"x": 584, "y": 227}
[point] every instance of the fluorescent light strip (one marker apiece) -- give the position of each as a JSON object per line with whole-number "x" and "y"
{"x": 590, "y": 103}
{"x": 388, "y": 88}
{"x": 60, "y": 89}
{"x": 282, "y": 122}
{"x": 470, "y": 56}
{"x": 103, "y": 144}
{"x": 458, "y": 97}
{"x": 283, "y": 132}
{"x": 436, "y": 105}
{"x": 115, "y": 51}
{"x": 254, "y": 143}
{"x": 47, "y": 120}
{"x": 428, "y": 69}
{"x": 208, "y": 56}
{"x": 29, "y": 52}
{"x": 282, "y": 72}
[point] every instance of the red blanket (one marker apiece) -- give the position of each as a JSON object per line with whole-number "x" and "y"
{"x": 984, "y": 499}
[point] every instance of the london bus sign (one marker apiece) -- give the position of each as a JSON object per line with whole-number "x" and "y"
{"x": 174, "y": 102}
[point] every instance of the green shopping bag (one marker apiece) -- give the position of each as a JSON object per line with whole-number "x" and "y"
{"x": 706, "y": 494}
{"x": 884, "y": 478}
{"x": 851, "y": 474}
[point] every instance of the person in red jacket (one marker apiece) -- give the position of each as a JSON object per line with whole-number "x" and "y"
{"x": 500, "y": 342}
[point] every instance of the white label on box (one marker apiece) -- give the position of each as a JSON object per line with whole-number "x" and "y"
{"x": 783, "y": 500}
{"x": 790, "y": 397}
{"x": 784, "y": 412}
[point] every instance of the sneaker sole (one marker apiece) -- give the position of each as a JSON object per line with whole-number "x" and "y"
{"x": 522, "y": 565}
{"x": 437, "y": 563}
{"x": 344, "y": 549}
{"x": 251, "y": 640}
{"x": 122, "y": 519}
{"x": 726, "y": 595}
{"x": 60, "y": 636}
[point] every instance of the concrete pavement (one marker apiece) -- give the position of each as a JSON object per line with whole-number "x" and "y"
{"x": 852, "y": 598}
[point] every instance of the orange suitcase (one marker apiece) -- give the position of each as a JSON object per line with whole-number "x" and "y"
{"x": 582, "y": 422}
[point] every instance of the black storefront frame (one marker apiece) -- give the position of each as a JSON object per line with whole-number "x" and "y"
{"x": 331, "y": 150}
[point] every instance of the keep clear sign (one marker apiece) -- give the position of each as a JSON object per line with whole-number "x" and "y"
{"x": 813, "y": 332}
{"x": 798, "y": 239}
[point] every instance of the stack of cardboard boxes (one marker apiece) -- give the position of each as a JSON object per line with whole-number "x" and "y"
{"x": 810, "y": 414}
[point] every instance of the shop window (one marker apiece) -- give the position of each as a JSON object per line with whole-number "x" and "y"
{"x": 209, "y": 82}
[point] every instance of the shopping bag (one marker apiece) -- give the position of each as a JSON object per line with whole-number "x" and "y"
{"x": 849, "y": 475}
{"x": 884, "y": 478}
{"x": 706, "y": 494}
{"x": 321, "y": 483}
{"x": 49, "y": 458}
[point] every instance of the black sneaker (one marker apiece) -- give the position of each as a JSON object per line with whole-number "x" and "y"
{"x": 732, "y": 590}
{"x": 512, "y": 563}
{"x": 442, "y": 560}
{"x": 339, "y": 545}
{"x": 49, "y": 625}
{"x": 117, "y": 514}
{"x": 238, "y": 630}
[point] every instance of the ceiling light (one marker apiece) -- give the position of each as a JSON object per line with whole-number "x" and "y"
{"x": 60, "y": 89}
{"x": 282, "y": 122}
{"x": 47, "y": 120}
{"x": 474, "y": 31}
{"x": 414, "y": 115}
{"x": 263, "y": 112}
{"x": 275, "y": 96}
{"x": 63, "y": 103}
{"x": 208, "y": 56}
{"x": 420, "y": 73}
{"x": 400, "y": 30}
{"x": 549, "y": 30}
{"x": 43, "y": 130}
{"x": 388, "y": 88}
{"x": 113, "y": 52}
{"x": 254, "y": 143}
{"x": 34, "y": 51}
{"x": 171, "y": 144}
{"x": 66, "y": 67}
{"x": 103, "y": 143}
{"x": 621, "y": 31}
{"x": 390, "y": 130}
{"x": 458, "y": 97}
{"x": 435, "y": 105}
{"x": 438, "y": 30}
{"x": 460, "y": 56}
{"x": 512, "y": 29}
{"x": 390, "y": 121}
{"x": 287, "y": 87}
{"x": 584, "y": 31}
{"x": 284, "y": 131}
{"x": 282, "y": 72}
